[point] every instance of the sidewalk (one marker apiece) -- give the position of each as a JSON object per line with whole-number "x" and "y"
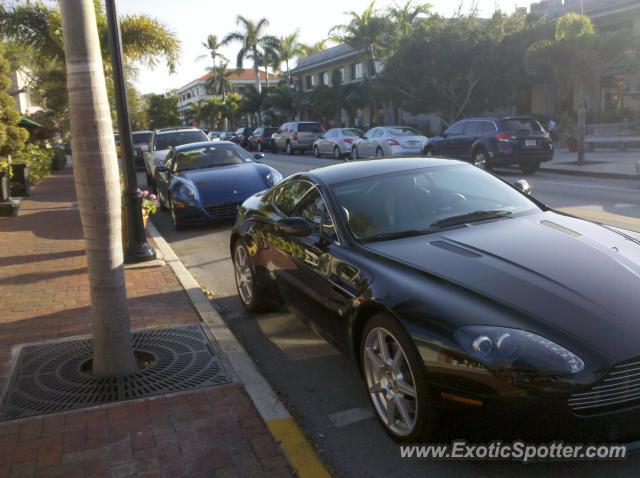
{"x": 600, "y": 163}
{"x": 44, "y": 295}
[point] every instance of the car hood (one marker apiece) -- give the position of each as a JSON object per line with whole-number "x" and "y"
{"x": 226, "y": 184}
{"x": 571, "y": 274}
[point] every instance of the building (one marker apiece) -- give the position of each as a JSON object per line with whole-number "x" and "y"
{"x": 19, "y": 90}
{"x": 196, "y": 90}
{"x": 619, "y": 89}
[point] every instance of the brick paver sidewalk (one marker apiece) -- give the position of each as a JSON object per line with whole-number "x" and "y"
{"x": 44, "y": 295}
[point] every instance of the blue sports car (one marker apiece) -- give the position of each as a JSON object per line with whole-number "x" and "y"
{"x": 205, "y": 182}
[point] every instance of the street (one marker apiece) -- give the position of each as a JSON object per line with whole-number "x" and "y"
{"x": 322, "y": 387}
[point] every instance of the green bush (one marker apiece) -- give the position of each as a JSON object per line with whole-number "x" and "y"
{"x": 37, "y": 159}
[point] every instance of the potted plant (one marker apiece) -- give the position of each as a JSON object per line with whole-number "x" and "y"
{"x": 149, "y": 203}
{"x": 5, "y": 175}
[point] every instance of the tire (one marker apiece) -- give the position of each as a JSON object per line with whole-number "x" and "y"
{"x": 316, "y": 151}
{"x": 178, "y": 224}
{"x": 163, "y": 206}
{"x": 260, "y": 148}
{"x": 336, "y": 153}
{"x": 289, "y": 149}
{"x": 479, "y": 158}
{"x": 429, "y": 152}
{"x": 379, "y": 152}
{"x": 252, "y": 299}
{"x": 530, "y": 168}
{"x": 354, "y": 153}
{"x": 395, "y": 384}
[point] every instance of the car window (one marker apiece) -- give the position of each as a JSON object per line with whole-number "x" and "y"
{"x": 309, "y": 128}
{"x": 352, "y": 132}
{"x": 403, "y": 131}
{"x": 209, "y": 157}
{"x": 288, "y": 195}
{"x": 258, "y": 131}
{"x": 473, "y": 128}
{"x": 521, "y": 124}
{"x": 377, "y": 133}
{"x": 178, "y": 138}
{"x": 313, "y": 208}
{"x": 369, "y": 133}
{"x": 456, "y": 128}
{"x": 332, "y": 133}
{"x": 489, "y": 127}
{"x": 140, "y": 138}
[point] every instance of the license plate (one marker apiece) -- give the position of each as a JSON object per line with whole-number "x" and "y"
{"x": 530, "y": 143}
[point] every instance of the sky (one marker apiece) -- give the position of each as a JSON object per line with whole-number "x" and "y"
{"x": 193, "y": 20}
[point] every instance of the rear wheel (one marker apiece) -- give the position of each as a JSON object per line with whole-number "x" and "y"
{"x": 252, "y": 298}
{"x": 396, "y": 380}
{"x": 336, "y": 153}
{"x": 429, "y": 152}
{"x": 354, "y": 153}
{"x": 178, "y": 223}
{"x": 530, "y": 167}
{"x": 316, "y": 151}
{"x": 379, "y": 152}
{"x": 479, "y": 159}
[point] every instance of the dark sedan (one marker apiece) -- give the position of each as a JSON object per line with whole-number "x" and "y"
{"x": 260, "y": 139}
{"x": 206, "y": 182}
{"x": 450, "y": 286}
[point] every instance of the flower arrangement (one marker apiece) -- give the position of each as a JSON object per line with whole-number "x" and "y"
{"x": 149, "y": 202}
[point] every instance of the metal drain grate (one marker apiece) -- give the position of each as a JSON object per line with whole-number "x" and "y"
{"x": 47, "y": 378}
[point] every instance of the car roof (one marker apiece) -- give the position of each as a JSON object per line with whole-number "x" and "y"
{"x": 339, "y": 173}
{"x": 202, "y": 144}
{"x": 176, "y": 129}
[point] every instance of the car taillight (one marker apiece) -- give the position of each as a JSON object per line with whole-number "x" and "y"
{"x": 504, "y": 137}
{"x": 295, "y": 136}
{"x": 348, "y": 140}
{"x": 392, "y": 142}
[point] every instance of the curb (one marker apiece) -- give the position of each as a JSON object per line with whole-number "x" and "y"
{"x": 570, "y": 172}
{"x": 298, "y": 450}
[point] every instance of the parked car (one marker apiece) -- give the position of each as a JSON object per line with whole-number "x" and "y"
{"x": 241, "y": 136}
{"x": 449, "y": 285}
{"x": 225, "y": 136}
{"x": 214, "y": 135}
{"x": 337, "y": 142}
{"x": 495, "y": 141}
{"x": 260, "y": 139}
{"x": 297, "y": 136}
{"x": 206, "y": 182}
{"x": 161, "y": 144}
{"x": 141, "y": 144}
{"x": 387, "y": 141}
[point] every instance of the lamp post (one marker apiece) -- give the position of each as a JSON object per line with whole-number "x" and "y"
{"x": 136, "y": 248}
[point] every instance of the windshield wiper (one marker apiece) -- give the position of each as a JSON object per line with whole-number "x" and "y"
{"x": 471, "y": 217}
{"x": 387, "y": 236}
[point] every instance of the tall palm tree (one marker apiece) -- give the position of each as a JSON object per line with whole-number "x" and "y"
{"x": 269, "y": 57}
{"x": 196, "y": 111}
{"x": 97, "y": 182}
{"x": 214, "y": 108}
{"x": 218, "y": 83}
{"x": 576, "y": 57}
{"x": 289, "y": 48}
{"x": 253, "y": 38}
{"x": 213, "y": 45}
{"x": 317, "y": 47}
{"x": 366, "y": 31}
{"x": 404, "y": 17}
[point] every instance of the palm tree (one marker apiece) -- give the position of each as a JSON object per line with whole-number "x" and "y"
{"x": 231, "y": 106}
{"x": 269, "y": 57}
{"x": 252, "y": 103}
{"x": 576, "y": 57}
{"x": 317, "y": 47}
{"x": 214, "y": 108}
{"x": 289, "y": 48}
{"x": 218, "y": 83}
{"x": 283, "y": 99}
{"x": 196, "y": 111}
{"x": 404, "y": 17}
{"x": 253, "y": 39}
{"x": 98, "y": 185}
{"x": 364, "y": 32}
{"x": 213, "y": 45}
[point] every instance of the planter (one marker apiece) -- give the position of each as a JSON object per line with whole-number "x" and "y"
{"x": 20, "y": 181}
{"x": 145, "y": 219}
{"x": 4, "y": 186}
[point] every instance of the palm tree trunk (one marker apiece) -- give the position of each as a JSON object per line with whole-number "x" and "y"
{"x": 266, "y": 75}
{"x": 95, "y": 171}
{"x": 257, "y": 72}
{"x": 581, "y": 126}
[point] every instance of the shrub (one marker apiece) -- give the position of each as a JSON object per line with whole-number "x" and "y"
{"x": 37, "y": 159}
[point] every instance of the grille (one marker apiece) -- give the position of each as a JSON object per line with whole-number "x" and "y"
{"x": 620, "y": 389}
{"x": 224, "y": 210}
{"x": 48, "y": 378}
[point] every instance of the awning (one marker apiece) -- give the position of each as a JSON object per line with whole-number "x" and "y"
{"x": 27, "y": 123}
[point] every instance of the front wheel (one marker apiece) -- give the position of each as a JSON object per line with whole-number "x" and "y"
{"x": 396, "y": 381}
{"x": 354, "y": 153}
{"x": 480, "y": 159}
{"x": 336, "y": 153}
{"x": 259, "y": 146}
{"x": 178, "y": 223}
{"x": 289, "y": 149}
{"x": 429, "y": 152}
{"x": 379, "y": 153}
{"x": 316, "y": 151}
{"x": 252, "y": 298}
{"x": 530, "y": 167}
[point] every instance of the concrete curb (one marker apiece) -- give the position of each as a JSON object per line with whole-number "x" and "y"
{"x": 298, "y": 450}
{"x": 571, "y": 172}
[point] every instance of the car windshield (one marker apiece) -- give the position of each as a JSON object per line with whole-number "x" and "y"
{"x": 309, "y": 128}
{"x": 352, "y": 132}
{"x": 425, "y": 200}
{"x": 522, "y": 124}
{"x": 140, "y": 138}
{"x": 402, "y": 131}
{"x": 178, "y": 138}
{"x": 269, "y": 131}
{"x": 210, "y": 157}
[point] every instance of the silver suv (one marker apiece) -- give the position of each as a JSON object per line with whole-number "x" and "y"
{"x": 296, "y": 136}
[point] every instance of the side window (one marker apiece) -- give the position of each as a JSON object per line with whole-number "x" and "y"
{"x": 258, "y": 132}
{"x": 288, "y": 195}
{"x": 473, "y": 128}
{"x": 331, "y": 133}
{"x": 369, "y": 133}
{"x": 489, "y": 127}
{"x": 378, "y": 133}
{"x": 456, "y": 128}
{"x": 314, "y": 210}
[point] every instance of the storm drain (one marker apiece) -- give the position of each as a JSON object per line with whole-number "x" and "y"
{"x": 48, "y": 378}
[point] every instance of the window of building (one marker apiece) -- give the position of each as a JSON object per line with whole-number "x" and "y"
{"x": 356, "y": 71}
{"x": 323, "y": 78}
{"x": 308, "y": 83}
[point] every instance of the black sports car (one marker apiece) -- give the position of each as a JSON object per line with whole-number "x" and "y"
{"x": 207, "y": 181}
{"x": 449, "y": 285}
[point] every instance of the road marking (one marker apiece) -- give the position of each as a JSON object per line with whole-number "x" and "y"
{"x": 350, "y": 416}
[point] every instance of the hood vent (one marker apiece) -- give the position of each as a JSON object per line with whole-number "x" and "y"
{"x": 560, "y": 228}
{"x": 447, "y": 246}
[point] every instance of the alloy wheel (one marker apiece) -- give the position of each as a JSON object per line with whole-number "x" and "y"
{"x": 480, "y": 160}
{"x": 390, "y": 382}
{"x": 244, "y": 278}
{"x": 354, "y": 153}
{"x": 316, "y": 152}
{"x": 336, "y": 153}
{"x": 289, "y": 149}
{"x": 379, "y": 153}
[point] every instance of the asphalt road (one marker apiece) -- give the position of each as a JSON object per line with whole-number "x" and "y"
{"x": 322, "y": 388}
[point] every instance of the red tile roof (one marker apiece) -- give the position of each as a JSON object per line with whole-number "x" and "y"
{"x": 244, "y": 74}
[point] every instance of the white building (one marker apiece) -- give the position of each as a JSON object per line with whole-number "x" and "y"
{"x": 19, "y": 90}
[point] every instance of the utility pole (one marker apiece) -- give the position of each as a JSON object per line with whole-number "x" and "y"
{"x": 97, "y": 181}
{"x": 136, "y": 248}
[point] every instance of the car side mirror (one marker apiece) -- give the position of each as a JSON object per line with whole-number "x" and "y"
{"x": 523, "y": 186}
{"x": 162, "y": 169}
{"x": 258, "y": 156}
{"x": 294, "y": 226}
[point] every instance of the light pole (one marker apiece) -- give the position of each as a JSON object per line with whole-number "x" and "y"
{"x": 136, "y": 248}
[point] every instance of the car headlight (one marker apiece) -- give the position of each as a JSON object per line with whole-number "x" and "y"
{"x": 185, "y": 193}
{"x": 517, "y": 350}
{"x": 273, "y": 178}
